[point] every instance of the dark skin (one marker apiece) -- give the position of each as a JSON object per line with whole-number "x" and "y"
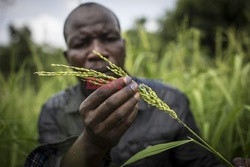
{"x": 106, "y": 113}
{"x": 241, "y": 162}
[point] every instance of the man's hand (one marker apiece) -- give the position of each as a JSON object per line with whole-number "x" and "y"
{"x": 241, "y": 162}
{"x": 108, "y": 112}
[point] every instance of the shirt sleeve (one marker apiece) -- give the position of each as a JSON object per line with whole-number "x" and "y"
{"x": 50, "y": 125}
{"x": 191, "y": 154}
{"x": 49, "y": 155}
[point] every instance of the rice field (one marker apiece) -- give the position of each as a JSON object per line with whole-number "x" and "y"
{"x": 218, "y": 90}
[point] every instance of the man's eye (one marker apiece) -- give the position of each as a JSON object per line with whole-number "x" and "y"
{"x": 111, "y": 38}
{"x": 81, "y": 44}
{"x": 77, "y": 45}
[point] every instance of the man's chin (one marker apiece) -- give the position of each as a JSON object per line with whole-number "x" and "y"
{"x": 110, "y": 73}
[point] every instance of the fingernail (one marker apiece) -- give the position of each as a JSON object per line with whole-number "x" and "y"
{"x": 133, "y": 85}
{"x": 127, "y": 79}
{"x": 137, "y": 96}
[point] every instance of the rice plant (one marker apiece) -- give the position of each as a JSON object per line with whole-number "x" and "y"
{"x": 145, "y": 91}
{"x": 217, "y": 89}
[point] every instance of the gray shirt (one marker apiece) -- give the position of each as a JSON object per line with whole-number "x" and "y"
{"x": 60, "y": 120}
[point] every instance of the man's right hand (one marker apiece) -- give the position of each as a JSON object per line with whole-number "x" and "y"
{"x": 108, "y": 112}
{"x": 241, "y": 162}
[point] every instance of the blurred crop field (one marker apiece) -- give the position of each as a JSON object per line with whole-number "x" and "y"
{"x": 217, "y": 88}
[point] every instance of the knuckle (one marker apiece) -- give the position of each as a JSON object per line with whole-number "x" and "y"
{"x": 127, "y": 122}
{"x": 130, "y": 105}
{"x": 130, "y": 119}
{"x": 109, "y": 103}
{"x": 88, "y": 120}
{"x": 82, "y": 108}
{"x": 119, "y": 115}
{"x": 100, "y": 93}
{"x": 97, "y": 130}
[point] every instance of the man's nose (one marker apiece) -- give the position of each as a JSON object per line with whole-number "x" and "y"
{"x": 99, "y": 47}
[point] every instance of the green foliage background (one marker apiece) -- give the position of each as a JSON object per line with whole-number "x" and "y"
{"x": 207, "y": 16}
{"x": 217, "y": 88}
{"x": 217, "y": 85}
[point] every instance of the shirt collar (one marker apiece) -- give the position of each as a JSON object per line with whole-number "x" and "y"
{"x": 75, "y": 99}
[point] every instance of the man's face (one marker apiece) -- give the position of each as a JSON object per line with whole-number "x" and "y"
{"x": 96, "y": 29}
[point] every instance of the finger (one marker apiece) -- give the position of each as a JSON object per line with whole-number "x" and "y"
{"x": 101, "y": 94}
{"x": 239, "y": 162}
{"x": 122, "y": 112}
{"x": 115, "y": 101}
{"x": 248, "y": 162}
{"x": 123, "y": 126}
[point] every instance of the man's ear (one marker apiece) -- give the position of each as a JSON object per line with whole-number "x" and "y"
{"x": 65, "y": 53}
{"x": 124, "y": 44}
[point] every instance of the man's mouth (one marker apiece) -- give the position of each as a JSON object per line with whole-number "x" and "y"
{"x": 101, "y": 67}
{"x": 105, "y": 70}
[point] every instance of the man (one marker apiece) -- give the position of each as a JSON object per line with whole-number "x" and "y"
{"x": 105, "y": 127}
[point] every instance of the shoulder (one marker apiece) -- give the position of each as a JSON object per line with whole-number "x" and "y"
{"x": 62, "y": 98}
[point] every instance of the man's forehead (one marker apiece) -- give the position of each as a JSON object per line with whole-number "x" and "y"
{"x": 83, "y": 16}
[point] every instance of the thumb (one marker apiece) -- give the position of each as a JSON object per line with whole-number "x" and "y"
{"x": 240, "y": 162}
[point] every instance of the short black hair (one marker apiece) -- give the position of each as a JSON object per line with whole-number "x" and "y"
{"x": 89, "y": 4}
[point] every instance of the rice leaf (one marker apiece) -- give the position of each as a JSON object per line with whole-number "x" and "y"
{"x": 156, "y": 149}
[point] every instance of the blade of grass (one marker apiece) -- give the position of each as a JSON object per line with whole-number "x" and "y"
{"x": 156, "y": 149}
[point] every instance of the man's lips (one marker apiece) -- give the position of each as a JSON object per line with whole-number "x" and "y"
{"x": 100, "y": 66}
{"x": 105, "y": 70}
{"x": 102, "y": 69}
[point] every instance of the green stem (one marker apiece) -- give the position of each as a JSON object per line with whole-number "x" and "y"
{"x": 206, "y": 145}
